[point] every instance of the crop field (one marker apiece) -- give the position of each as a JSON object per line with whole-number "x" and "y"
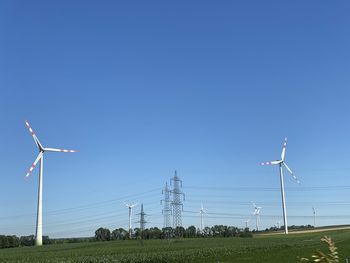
{"x": 261, "y": 248}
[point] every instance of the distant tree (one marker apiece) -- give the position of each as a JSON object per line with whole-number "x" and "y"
{"x": 102, "y": 234}
{"x": 199, "y": 233}
{"x": 46, "y": 240}
{"x": 9, "y": 241}
{"x": 167, "y": 232}
{"x": 119, "y": 234}
{"x": 137, "y": 232}
{"x": 179, "y": 231}
{"x": 146, "y": 234}
{"x": 155, "y": 233}
{"x": 27, "y": 240}
{"x": 14, "y": 241}
{"x": 4, "y": 242}
{"x": 231, "y": 231}
{"x": 207, "y": 232}
{"x": 190, "y": 232}
{"x": 218, "y": 230}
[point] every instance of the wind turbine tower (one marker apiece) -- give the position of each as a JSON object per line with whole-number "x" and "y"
{"x": 40, "y": 157}
{"x": 177, "y": 201}
{"x": 130, "y": 216}
{"x": 281, "y": 163}
{"x": 314, "y": 212}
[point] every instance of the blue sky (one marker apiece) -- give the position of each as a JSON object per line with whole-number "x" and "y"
{"x": 143, "y": 88}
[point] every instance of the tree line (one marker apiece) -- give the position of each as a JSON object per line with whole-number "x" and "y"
{"x": 104, "y": 234}
{"x": 14, "y": 241}
{"x": 11, "y": 241}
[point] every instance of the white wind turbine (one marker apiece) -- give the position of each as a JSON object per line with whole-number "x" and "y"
{"x": 257, "y": 210}
{"x": 130, "y": 215}
{"x": 314, "y": 213}
{"x": 202, "y": 212}
{"x": 40, "y": 157}
{"x": 280, "y": 163}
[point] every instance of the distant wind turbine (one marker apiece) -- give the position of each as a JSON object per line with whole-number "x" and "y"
{"x": 130, "y": 215}
{"x": 280, "y": 163}
{"x": 314, "y": 212}
{"x": 257, "y": 210}
{"x": 40, "y": 157}
{"x": 202, "y": 212}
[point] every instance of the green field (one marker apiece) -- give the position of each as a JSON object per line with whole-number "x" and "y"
{"x": 261, "y": 248}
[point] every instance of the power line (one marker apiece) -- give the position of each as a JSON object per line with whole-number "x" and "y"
{"x": 268, "y": 189}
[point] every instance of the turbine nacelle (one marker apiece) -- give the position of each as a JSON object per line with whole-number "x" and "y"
{"x": 202, "y": 210}
{"x": 256, "y": 209}
{"x": 282, "y": 162}
{"x": 130, "y": 206}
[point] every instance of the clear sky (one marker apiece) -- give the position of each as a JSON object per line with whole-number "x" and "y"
{"x": 143, "y": 88}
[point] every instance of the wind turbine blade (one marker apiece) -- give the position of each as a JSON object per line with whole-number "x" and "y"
{"x": 284, "y": 149}
{"x": 59, "y": 150}
{"x": 254, "y": 205}
{"x": 37, "y": 142}
{"x": 34, "y": 164}
{"x": 271, "y": 163}
{"x": 134, "y": 205}
{"x": 290, "y": 171}
{"x": 126, "y": 204}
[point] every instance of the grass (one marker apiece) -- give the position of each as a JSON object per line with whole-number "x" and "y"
{"x": 261, "y": 248}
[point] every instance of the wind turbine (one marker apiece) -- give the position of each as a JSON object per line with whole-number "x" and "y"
{"x": 257, "y": 210}
{"x": 202, "y": 212}
{"x": 280, "y": 163}
{"x": 40, "y": 157}
{"x": 314, "y": 212}
{"x": 130, "y": 215}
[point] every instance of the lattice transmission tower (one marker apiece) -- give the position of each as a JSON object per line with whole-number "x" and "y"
{"x": 177, "y": 204}
{"x": 142, "y": 220}
{"x": 167, "y": 212}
